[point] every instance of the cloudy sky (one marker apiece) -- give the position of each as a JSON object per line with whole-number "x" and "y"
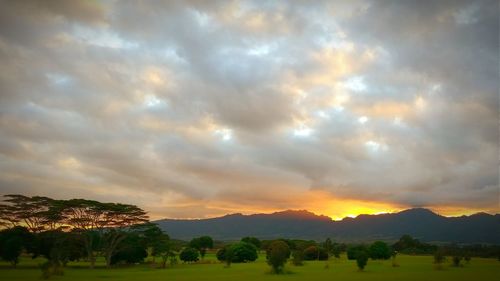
{"x": 196, "y": 109}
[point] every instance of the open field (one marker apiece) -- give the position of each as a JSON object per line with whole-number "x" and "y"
{"x": 411, "y": 268}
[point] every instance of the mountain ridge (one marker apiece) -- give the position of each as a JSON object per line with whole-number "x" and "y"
{"x": 421, "y": 223}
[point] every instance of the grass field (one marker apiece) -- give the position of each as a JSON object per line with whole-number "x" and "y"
{"x": 411, "y": 268}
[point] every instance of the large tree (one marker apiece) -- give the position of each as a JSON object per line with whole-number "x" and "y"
{"x": 35, "y": 213}
{"x": 110, "y": 222}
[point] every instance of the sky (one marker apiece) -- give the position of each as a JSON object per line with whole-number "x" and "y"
{"x": 195, "y": 109}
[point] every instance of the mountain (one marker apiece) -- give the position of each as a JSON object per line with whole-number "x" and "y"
{"x": 419, "y": 223}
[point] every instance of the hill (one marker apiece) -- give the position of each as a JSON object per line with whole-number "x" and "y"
{"x": 420, "y": 223}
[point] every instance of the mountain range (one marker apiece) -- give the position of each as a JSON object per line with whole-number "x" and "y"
{"x": 419, "y": 223}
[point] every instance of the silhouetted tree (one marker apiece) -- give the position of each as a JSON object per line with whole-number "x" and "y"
{"x": 32, "y": 212}
{"x": 12, "y": 243}
{"x": 131, "y": 250}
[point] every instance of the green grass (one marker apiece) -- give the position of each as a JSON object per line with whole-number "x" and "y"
{"x": 411, "y": 268}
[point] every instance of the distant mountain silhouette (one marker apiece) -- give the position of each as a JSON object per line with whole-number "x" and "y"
{"x": 419, "y": 223}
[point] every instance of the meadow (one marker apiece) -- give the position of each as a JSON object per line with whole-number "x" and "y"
{"x": 411, "y": 268}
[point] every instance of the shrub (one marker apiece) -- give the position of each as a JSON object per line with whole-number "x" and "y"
{"x": 189, "y": 255}
{"x": 277, "y": 255}
{"x": 315, "y": 253}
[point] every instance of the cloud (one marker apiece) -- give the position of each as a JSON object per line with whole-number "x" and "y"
{"x": 193, "y": 109}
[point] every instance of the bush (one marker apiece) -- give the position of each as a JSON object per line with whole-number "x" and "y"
{"x": 315, "y": 253}
{"x": 277, "y": 255}
{"x": 379, "y": 251}
{"x": 189, "y": 255}
{"x": 361, "y": 259}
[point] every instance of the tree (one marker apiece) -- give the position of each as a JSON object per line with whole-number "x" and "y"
{"x": 12, "y": 243}
{"x": 277, "y": 254}
{"x": 379, "y": 251}
{"x": 32, "y": 212}
{"x": 189, "y": 255}
{"x": 352, "y": 251}
{"x": 297, "y": 257}
{"x": 162, "y": 247}
{"x": 202, "y": 244}
{"x": 243, "y": 252}
{"x": 87, "y": 218}
{"x": 58, "y": 247}
{"x": 238, "y": 252}
{"x": 336, "y": 250}
{"x": 132, "y": 250}
{"x": 439, "y": 258}
{"x": 361, "y": 260}
{"x": 328, "y": 244}
{"x": 252, "y": 240}
{"x": 315, "y": 253}
{"x": 111, "y": 221}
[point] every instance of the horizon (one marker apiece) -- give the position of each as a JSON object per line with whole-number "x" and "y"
{"x": 332, "y": 218}
{"x": 194, "y": 109}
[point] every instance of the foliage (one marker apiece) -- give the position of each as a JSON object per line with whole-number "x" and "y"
{"x": 189, "y": 255}
{"x": 409, "y": 245}
{"x": 380, "y": 251}
{"x": 315, "y": 253}
{"x": 202, "y": 244}
{"x": 59, "y": 247}
{"x": 361, "y": 259}
{"x": 12, "y": 242}
{"x": 297, "y": 257}
{"x": 352, "y": 251}
{"x": 252, "y": 240}
{"x": 238, "y": 252}
{"x": 277, "y": 254}
{"x": 132, "y": 250}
